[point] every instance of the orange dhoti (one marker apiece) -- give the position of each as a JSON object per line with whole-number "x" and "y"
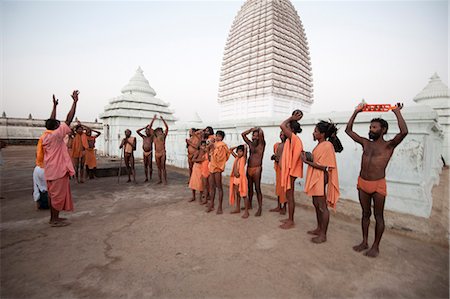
{"x": 90, "y": 160}
{"x": 370, "y": 187}
{"x": 241, "y": 182}
{"x": 291, "y": 164}
{"x": 219, "y": 157}
{"x": 79, "y": 143}
{"x": 205, "y": 167}
{"x": 195, "y": 182}
{"x": 324, "y": 155}
{"x": 278, "y": 189}
{"x": 60, "y": 196}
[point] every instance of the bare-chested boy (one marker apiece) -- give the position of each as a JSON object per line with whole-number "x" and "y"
{"x": 254, "y": 168}
{"x": 276, "y": 157}
{"x": 219, "y": 155}
{"x": 238, "y": 180}
{"x": 129, "y": 145}
{"x": 147, "y": 147}
{"x": 371, "y": 182}
{"x": 160, "y": 150}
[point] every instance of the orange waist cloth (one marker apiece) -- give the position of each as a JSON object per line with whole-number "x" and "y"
{"x": 241, "y": 181}
{"x": 205, "y": 166}
{"x": 60, "y": 196}
{"x": 219, "y": 157}
{"x": 252, "y": 171}
{"x": 79, "y": 144}
{"x": 195, "y": 182}
{"x": 291, "y": 164}
{"x": 90, "y": 160}
{"x": 370, "y": 187}
{"x": 324, "y": 155}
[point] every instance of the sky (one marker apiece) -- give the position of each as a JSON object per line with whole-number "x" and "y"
{"x": 382, "y": 51}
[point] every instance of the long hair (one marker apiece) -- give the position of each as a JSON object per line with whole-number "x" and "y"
{"x": 330, "y": 131}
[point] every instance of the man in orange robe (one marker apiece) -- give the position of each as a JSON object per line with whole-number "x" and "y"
{"x": 238, "y": 180}
{"x": 276, "y": 157}
{"x": 196, "y": 181}
{"x": 322, "y": 171}
{"x": 90, "y": 159}
{"x": 79, "y": 146}
{"x": 219, "y": 155}
{"x": 291, "y": 163}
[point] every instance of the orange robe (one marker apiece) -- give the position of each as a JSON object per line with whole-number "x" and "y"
{"x": 79, "y": 144}
{"x": 291, "y": 163}
{"x": 195, "y": 182}
{"x": 219, "y": 157}
{"x": 278, "y": 189}
{"x": 91, "y": 161}
{"x": 205, "y": 167}
{"x": 40, "y": 150}
{"x": 323, "y": 154}
{"x": 241, "y": 181}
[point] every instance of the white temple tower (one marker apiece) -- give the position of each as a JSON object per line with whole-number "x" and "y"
{"x": 266, "y": 68}
{"x": 437, "y": 96}
{"x": 133, "y": 109}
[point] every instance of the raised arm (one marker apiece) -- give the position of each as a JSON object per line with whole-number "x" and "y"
{"x": 244, "y": 135}
{"x": 349, "y": 128}
{"x": 151, "y": 123}
{"x": 402, "y": 126}
{"x": 96, "y": 132}
{"x": 139, "y": 132}
{"x": 165, "y": 124}
{"x": 284, "y": 125}
{"x": 232, "y": 151}
{"x": 71, "y": 113}
{"x": 55, "y": 103}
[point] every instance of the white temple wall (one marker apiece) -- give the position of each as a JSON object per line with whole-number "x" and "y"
{"x": 411, "y": 173}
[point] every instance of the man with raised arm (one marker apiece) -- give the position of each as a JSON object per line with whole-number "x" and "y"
{"x": 160, "y": 150}
{"x": 58, "y": 165}
{"x": 147, "y": 147}
{"x": 371, "y": 181}
{"x": 254, "y": 168}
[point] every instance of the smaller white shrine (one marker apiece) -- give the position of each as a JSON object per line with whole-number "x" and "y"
{"x": 436, "y": 95}
{"x": 133, "y": 109}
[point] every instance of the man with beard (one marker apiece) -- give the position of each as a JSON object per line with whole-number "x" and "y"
{"x": 254, "y": 168}
{"x": 371, "y": 182}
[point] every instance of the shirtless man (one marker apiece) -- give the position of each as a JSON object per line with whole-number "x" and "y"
{"x": 79, "y": 146}
{"x": 192, "y": 144}
{"x": 129, "y": 145}
{"x": 147, "y": 147}
{"x": 160, "y": 150}
{"x": 276, "y": 157}
{"x": 91, "y": 161}
{"x": 254, "y": 168}
{"x": 371, "y": 182}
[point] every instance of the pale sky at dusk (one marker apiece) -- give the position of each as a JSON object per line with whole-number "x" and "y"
{"x": 382, "y": 51}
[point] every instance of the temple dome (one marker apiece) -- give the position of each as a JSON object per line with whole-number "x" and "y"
{"x": 138, "y": 83}
{"x": 435, "y": 89}
{"x": 266, "y": 68}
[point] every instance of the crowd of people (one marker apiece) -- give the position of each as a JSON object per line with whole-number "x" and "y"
{"x": 64, "y": 152}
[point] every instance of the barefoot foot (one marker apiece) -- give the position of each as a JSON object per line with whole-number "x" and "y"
{"x": 314, "y": 232}
{"x": 372, "y": 252}
{"x": 245, "y": 216}
{"x": 360, "y": 247}
{"x": 219, "y": 211}
{"x": 285, "y": 220}
{"x": 258, "y": 213}
{"x": 319, "y": 239}
{"x": 287, "y": 225}
{"x": 277, "y": 209}
{"x": 236, "y": 211}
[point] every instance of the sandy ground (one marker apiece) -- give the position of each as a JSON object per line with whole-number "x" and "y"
{"x": 146, "y": 240}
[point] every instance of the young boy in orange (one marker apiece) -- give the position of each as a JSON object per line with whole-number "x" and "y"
{"x": 129, "y": 145}
{"x": 238, "y": 180}
{"x": 219, "y": 155}
{"x": 276, "y": 157}
{"x": 291, "y": 163}
{"x": 79, "y": 146}
{"x": 196, "y": 180}
{"x": 322, "y": 171}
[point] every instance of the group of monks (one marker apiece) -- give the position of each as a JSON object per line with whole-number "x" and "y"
{"x": 208, "y": 154}
{"x": 62, "y": 152}
{"x": 156, "y": 137}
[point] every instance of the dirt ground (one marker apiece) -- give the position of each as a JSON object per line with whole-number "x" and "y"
{"x": 146, "y": 240}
